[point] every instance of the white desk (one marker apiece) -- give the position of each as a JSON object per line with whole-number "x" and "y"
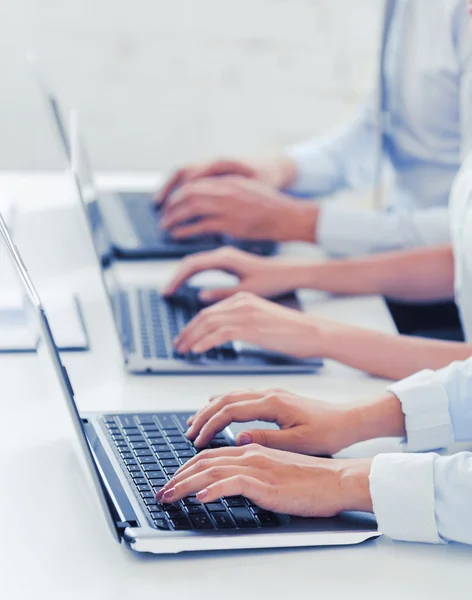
{"x": 55, "y": 543}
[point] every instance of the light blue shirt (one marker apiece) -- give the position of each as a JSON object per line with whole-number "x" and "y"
{"x": 427, "y": 77}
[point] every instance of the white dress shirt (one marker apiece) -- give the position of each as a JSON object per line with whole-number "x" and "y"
{"x": 427, "y": 82}
{"x": 427, "y": 497}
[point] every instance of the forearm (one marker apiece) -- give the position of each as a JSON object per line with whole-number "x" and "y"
{"x": 387, "y": 356}
{"x": 415, "y": 275}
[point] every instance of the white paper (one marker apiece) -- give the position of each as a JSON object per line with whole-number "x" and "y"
{"x": 64, "y": 319}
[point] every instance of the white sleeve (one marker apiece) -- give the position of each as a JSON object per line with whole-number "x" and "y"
{"x": 427, "y": 497}
{"x": 344, "y": 159}
{"x": 351, "y": 231}
{"x": 423, "y": 497}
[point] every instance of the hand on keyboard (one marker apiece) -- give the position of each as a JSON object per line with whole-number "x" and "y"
{"x": 306, "y": 426}
{"x": 247, "y": 318}
{"x": 275, "y": 480}
{"x": 267, "y": 277}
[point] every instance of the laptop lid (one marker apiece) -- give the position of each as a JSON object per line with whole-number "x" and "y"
{"x": 52, "y": 103}
{"x": 86, "y": 194}
{"x": 48, "y": 352}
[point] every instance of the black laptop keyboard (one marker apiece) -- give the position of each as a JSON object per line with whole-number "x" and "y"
{"x": 151, "y": 448}
{"x": 160, "y": 320}
{"x": 145, "y": 218}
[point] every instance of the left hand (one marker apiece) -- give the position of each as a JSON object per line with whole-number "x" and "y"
{"x": 274, "y": 480}
{"x": 240, "y": 207}
{"x": 251, "y": 319}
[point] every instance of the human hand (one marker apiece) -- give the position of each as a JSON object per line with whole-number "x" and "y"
{"x": 251, "y": 319}
{"x": 275, "y": 480}
{"x": 240, "y": 207}
{"x": 267, "y": 277}
{"x": 306, "y": 426}
{"x": 276, "y": 173}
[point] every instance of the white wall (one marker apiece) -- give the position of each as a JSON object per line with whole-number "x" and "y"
{"x": 163, "y": 81}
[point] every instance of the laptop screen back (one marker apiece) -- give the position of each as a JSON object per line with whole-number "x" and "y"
{"x": 50, "y": 360}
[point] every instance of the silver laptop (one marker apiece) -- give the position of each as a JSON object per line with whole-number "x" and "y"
{"x": 147, "y": 322}
{"x": 128, "y": 457}
{"x": 130, "y": 219}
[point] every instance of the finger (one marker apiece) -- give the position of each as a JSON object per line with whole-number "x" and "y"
{"x": 212, "y": 225}
{"x": 218, "y": 294}
{"x": 195, "y": 207}
{"x": 251, "y": 488}
{"x": 214, "y": 189}
{"x": 223, "y": 167}
{"x": 227, "y": 451}
{"x": 282, "y": 439}
{"x": 210, "y": 410}
{"x": 203, "y": 261}
{"x": 195, "y": 483}
{"x": 223, "y": 335}
{"x": 215, "y": 397}
{"x": 199, "y": 467}
{"x": 176, "y": 179}
{"x": 205, "y": 324}
{"x": 236, "y": 412}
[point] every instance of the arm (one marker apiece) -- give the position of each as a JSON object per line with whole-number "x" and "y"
{"x": 427, "y": 497}
{"x": 351, "y": 231}
{"x": 344, "y": 159}
{"x": 416, "y": 275}
{"x": 413, "y": 276}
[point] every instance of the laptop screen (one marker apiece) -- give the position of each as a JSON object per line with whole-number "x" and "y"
{"x": 50, "y": 360}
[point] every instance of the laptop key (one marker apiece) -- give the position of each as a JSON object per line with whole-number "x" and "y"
{"x": 158, "y": 482}
{"x": 143, "y": 452}
{"x": 182, "y": 446}
{"x": 155, "y": 475}
{"x": 148, "y": 501}
{"x": 186, "y": 453}
{"x": 138, "y": 480}
{"x": 148, "y": 494}
{"x": 180, "y": 523}
{"x": 235, "y": 501}
{"x": 201, "y": 522}
{"x": 143, "y": 487}
{"x": 131, "y": 430}
{"x": 243, "y": 517}
{"x": 216, "y": 507}
{"x": 139, "y": 445}
{"x": 130, "y": 462}
{"x": 196, "y": 510}
{"x": 146, "y": 419}
{"x": 148, "y": 460}
{"x": 191, "y": 501}
{"x": 161, "y": 523}
{"x": 158, "y": 448}
{"x": 126, "y": 454}
{"x": 223, "y": 520}
{"x": 134, "y": 469}
{"x": 165, "y": 455}
{"x": 169, "y": 462}
{"x": 152, "y": 466}
{"x": 267, "y": 519}
{"x": 171, "y": 470}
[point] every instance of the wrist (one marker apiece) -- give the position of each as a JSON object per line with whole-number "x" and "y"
{"x": 279, "y": 171}
{"x": 354, "y": 485}
{"x": 298, "y": 221}
{"x": 377, "y": 418}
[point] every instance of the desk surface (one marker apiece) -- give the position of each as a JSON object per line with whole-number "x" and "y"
{"x": 55, "y": 543}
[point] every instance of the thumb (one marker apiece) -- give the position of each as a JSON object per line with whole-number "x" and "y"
{"x": 217, "y": 294}
{"x": 270, "y": 438}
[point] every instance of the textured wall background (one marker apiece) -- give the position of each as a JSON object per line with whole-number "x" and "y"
{"x": 164, "y": 81}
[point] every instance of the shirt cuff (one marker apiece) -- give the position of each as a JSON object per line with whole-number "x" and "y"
{"x": 402, "y": 491}
{"x": 425, "y": 405}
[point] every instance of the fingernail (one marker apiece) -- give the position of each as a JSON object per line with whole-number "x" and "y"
{"x": 159, "y": 494}
{"x": 189, "y": 432}
{"x": 190, "y": 421}
{"x": 169, "y": 494}
{"x": 202, "y": 495}
{"x": 244, "y": 439}
{"x": 206, "y": 296}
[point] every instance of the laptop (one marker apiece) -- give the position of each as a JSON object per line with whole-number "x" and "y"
{"x": 147, "y": 322}
{"x": 129, "y": 456}
{"x": 131, "y": 218}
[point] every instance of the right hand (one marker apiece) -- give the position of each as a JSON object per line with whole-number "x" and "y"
{"x": 276, "y": 173}
{"x": 268, "y": 277}
{"x": 306, "y": 426}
